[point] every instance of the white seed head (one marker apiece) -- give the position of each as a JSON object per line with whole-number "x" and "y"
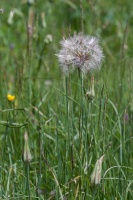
{"x": 96, "y": 174}
{"x": 82, "y": 52}
{"x": 26, "y": 156}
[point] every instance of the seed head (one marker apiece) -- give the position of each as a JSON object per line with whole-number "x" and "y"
{"x": 96, "y": 174}
{"x": 26, "y": 157}
{"x": 80, "y": 52}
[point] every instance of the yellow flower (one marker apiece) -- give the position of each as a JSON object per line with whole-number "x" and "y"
{"x": 10, "y": 97}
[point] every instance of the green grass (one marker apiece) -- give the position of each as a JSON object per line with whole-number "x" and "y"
{"x": 67, "y": 131}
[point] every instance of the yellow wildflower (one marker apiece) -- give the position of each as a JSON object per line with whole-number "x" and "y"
{"x": 10, "y": 97}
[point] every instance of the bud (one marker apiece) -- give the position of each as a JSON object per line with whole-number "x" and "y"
{"x": 96, "y": 174}
{"x": 10, "y": 18}
{"x": 1, "y": 10}
{"x": 91, "y": 93}
{"x": 48, "y": 39}
{"x": 27, "y": 157}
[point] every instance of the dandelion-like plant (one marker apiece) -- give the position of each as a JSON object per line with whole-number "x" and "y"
{"x": 80, "y": 52}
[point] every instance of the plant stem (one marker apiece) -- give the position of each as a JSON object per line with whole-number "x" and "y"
{"x": 27, "y": 166}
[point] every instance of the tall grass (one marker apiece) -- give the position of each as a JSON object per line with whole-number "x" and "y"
{"x": 68, "y": 132}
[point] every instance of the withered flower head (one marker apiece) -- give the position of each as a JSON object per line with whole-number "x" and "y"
{"x": 26, "y": 156}
{"x": 96, "y": 174}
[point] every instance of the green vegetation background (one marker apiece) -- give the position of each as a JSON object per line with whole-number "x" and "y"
{"x": 29, "y": 40}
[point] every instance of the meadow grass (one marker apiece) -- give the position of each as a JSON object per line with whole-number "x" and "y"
{"x": 67, "y": 131}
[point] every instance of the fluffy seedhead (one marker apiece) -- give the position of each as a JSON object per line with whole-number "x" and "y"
{"x": 80, "y": 52}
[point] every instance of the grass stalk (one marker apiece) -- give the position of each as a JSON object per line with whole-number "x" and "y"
{"x": 40, "y": 158}
{"x": 27, "y": 184}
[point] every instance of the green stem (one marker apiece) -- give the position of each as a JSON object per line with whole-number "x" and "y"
{"x": 40, "y": 160}
{"x": 67, "y": 111}
{"x": 81, "y": 120}
{"x": 81, "y": 113}
{"x": 27, "y": 166}
{"x": 68, "y": 121}
{"x": 93, "y": 193}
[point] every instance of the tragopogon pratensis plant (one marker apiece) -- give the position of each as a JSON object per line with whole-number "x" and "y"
{"x": 80, "y": 52}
